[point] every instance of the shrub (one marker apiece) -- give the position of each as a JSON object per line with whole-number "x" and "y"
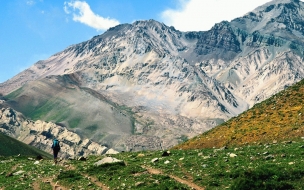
{"x": 265, "y": 177}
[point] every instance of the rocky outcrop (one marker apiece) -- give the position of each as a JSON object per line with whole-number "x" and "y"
{"x": 40, "y": 134}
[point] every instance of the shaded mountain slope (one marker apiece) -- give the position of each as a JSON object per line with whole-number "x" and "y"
{"x": 278, "y": 118}
{"x": 11, "y": 147}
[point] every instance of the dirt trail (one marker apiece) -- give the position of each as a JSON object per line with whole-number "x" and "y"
{"x": 91, "y": 178}
{"x": 55, "y": 186}
{"x": 188, "y": 183}
{"x": 96, "y": 182}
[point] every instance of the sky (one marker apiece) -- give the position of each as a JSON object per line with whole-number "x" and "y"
{"x": 33, "y": 30}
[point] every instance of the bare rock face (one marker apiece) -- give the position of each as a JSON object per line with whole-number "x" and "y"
{"x": 41, "y": 134}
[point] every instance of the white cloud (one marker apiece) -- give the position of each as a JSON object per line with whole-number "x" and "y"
{"x": 82, "y": 13}
{"x": 201, "y": 15}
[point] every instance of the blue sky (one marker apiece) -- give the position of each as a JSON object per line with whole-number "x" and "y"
{"x": 33, "y": 30}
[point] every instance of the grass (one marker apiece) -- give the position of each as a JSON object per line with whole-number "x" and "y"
{"x": 10, "y": 146}
{"x": 278, "y": 118}
{"x": 263, "y": 166}
{"x": 55, "y": 101}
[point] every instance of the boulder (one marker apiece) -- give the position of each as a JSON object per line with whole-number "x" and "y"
{"x": 154, "y": 160}
{"x": 19, "y": 172}
{"x": 231, "y": 155}
{"x": 81, "y": 158}
{"x": 166, "y": 153}
{"x": 112, "y": 151}
{"x": 107, "y": 160}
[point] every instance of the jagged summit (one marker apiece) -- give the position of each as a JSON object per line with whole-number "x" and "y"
{"x": 275, "y": 17}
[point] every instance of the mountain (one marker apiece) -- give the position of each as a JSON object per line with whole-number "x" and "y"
{"x": 149, "y": 86}
{"x": 40, "y": 135}
{"x": 279, "y": 118}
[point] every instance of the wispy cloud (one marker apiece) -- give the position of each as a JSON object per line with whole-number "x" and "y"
{"x": 30, "y": 2}
{"x": 203, "y": 14}
{"x": 82, "y": 13}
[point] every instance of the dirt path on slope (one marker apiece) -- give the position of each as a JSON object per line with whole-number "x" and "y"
{"x": 55, "y": 186}
{"x": 96, "y": 182}
{"x": 188, "y": 183}
{"x": 91, "y": 178}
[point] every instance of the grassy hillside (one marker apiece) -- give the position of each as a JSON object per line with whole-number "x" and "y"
{"x": 10, "y": 146}
{"x": 61, "y": 100}
{"x": 275, "y": 166}
{"x": 279, "y": 118}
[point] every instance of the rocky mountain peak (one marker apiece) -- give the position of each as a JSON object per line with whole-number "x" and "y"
{"x": 275, "y": 17}
{"x": 166, "y": 78}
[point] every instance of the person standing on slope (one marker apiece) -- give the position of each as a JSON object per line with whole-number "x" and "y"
{"x": 56, "y": 149}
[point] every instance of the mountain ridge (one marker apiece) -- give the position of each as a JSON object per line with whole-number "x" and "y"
{"x": 165, "y": 79}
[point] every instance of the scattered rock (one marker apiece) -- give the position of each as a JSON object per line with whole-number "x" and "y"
{"x": 37, "y": 162}
{"x": 200, "y": 154}
{"x": 166, "y": 153}
{"x": 140, "y": 155}
{"x": 287, "y": 142}
{"x": 81, "y": 158}
{"x": 204, "y": 165}
{"x": 154, "y": 160}
{"x": 275, "y": 142}
{"x": 138, "y": 183}
{"x": 269, "y": 157}
{"x": 231, "y": 155}
{"x": 107, "y": 160}
{"x": 283, "y": 155}
{"x": 220, "y": 149}
{"x": 265, "y": 153}
{"x": 19, "y": 172}
{"x": 291, "y": 163}
{"x": 112, "y": 151}
{"x": 167, "y": 162}
{"x": 182, "y": 158}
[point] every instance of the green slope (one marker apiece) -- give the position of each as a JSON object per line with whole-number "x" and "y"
{"x": 278, "y": 118}
{"x": 60, "y": 99}
{"x": 10, "y": 147}
{"x": 259, "y": 167}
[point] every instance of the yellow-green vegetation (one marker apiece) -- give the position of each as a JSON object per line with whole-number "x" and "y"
{"x": 278, "y": 118}
{"x": 265, "y": 166}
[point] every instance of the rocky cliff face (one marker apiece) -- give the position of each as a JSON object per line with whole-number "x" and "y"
{"x": 41, "y": 134}
{"x": 168, "y": 84}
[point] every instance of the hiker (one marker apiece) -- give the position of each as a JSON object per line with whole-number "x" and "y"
{"x": 56, "y": 149}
